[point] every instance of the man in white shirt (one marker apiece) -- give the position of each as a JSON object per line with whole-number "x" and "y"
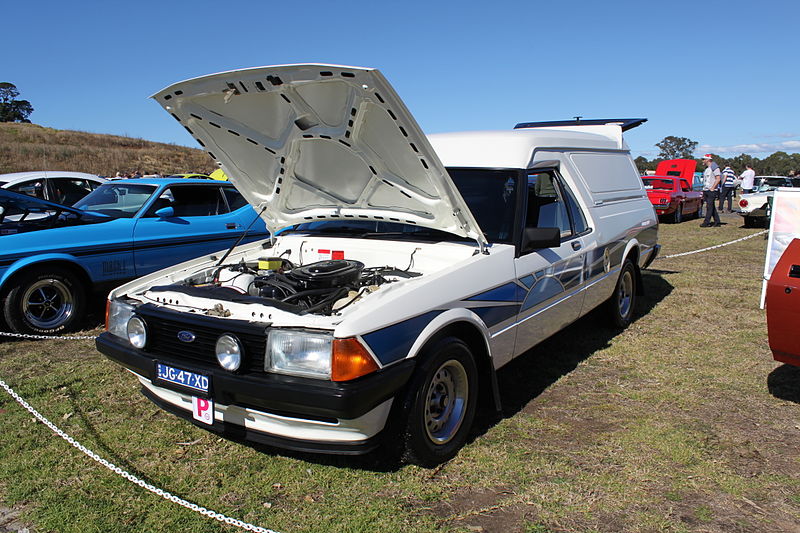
{"x": 748, "y": 177}
{"x": 711, "y": 177}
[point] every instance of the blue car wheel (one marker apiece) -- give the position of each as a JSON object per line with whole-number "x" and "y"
{"x": 44, "y": 301}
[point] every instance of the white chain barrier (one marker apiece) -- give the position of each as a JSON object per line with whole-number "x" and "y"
{"x": 130, "y": 477}
{"x": 711, "y": 247}
{"x": 53, "y": 337}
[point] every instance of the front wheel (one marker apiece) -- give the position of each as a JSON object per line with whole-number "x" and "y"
{"x": 440, "y": 403}
{"x": 622, "y": 302}
{"x": 44, "y": 301}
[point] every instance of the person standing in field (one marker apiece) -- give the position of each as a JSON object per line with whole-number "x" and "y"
{"x": 748, "y": 177}
{"x": 728, "y": 179}
{"x": 711, "y": 178}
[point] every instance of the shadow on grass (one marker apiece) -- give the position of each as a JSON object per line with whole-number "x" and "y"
{"x": 784, "y": 383}
{"x": 530, "y": 374}
{"x": 520, "y": 381}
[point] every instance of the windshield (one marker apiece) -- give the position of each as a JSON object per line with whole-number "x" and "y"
{"x": 491, "y": 196}
{"x": 118, "y": 200}
{"x": 658, "y": 183}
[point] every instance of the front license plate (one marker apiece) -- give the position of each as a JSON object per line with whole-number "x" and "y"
{"x": 184, "y": 378}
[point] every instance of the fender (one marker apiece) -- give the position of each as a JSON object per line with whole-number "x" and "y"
{"x": 452, "y": 316}
{"x": 21, "y": 264}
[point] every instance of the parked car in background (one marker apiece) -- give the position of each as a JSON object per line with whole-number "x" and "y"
{"x": 53, "y": 185}
{"x": 193, "y": 176}
{"x": 754, "y": 206}
{"x": 783, "y": 306}
{"x": 406, "y": 271}
{"x": 672, "y": 197}
{"x": 20, "y": 213}
{"x": 697, "y": 181}
{"x": 122, "y": 229}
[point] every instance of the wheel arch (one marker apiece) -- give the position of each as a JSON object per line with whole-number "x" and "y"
{"x": 633, "y": 252}
{"x": 63, "y": 262}
{"x": 465, "y": 325}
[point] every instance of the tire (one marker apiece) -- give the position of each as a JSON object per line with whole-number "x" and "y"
{"x": 440, "y": 403}
{"x": 677, "y": 216}
{"x": 622, "y": 303}
{"x": 44, "y": 301}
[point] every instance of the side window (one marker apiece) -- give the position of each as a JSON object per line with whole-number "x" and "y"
{"x": 191, "y": 201}
{"x": 234, "y": 198}
{"x": 685, "y": 186}
{"x": 69, "y": 190}
{"x": 31, "y": 188}
{"x": 546, "y": 207}
{"x": 578, "y": 220}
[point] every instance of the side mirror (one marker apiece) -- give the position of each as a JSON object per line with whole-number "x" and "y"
{"x": 538, "y": 238}
{"x": 165, "y": 212}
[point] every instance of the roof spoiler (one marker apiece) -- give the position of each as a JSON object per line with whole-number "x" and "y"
{"x": 625, "y": 123}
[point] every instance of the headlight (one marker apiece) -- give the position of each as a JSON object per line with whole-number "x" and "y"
{"x": 299, "y": 353}
{"x": 117, "y": 316}
{"x": 229, "y": 352}
{"x": 137, "y": 332}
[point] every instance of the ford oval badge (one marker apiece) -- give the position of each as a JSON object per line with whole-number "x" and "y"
{"x": 186, "y": 336}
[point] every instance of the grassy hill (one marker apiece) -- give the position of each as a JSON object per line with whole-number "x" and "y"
{"x": 32, "y": 147}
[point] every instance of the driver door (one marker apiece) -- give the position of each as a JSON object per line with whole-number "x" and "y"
{"x": 552, "y": 277}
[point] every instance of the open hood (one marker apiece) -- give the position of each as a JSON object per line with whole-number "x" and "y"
{"x": 319, "y": 142}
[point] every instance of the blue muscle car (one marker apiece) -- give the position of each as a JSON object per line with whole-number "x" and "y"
{"x": 52, "y": 256}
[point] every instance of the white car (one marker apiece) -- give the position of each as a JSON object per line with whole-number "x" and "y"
{"x": 403, "y": 272}
{"x": 754, "y": 206}
{"x": 57, "y": 186}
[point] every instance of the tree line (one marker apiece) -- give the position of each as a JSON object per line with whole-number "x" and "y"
{"x": 671, "y": 147}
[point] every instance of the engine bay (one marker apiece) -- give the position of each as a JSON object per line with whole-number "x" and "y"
{"x": 322, "y": 287}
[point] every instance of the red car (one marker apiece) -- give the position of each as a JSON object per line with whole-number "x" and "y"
{"x": 673, "y": 197}
{"x": 783, "y": 306}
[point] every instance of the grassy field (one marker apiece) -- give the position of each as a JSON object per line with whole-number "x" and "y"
{"x": 683, "y": 422}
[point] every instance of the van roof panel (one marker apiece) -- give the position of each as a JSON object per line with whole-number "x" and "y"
{"x": 514, "y": 148}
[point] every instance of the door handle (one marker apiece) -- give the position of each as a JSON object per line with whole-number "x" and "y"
{"x": 576, "y": 245}
{"x": 231, "y": 225}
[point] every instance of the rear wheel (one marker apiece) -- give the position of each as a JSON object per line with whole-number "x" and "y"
{"x": 677, "y": 216}
{"x": 44, "y": 301}
{"x": 622, "y": 302}
{"x": 440, "y": 403}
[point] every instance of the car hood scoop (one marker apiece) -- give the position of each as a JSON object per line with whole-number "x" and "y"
{"x": 320, "y": 142}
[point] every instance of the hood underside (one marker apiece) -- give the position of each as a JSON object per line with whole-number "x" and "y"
{"x": 320, "y": 142}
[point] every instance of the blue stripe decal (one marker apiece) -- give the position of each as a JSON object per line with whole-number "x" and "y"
{"x": 528, "y": 281}
{"x": 505, "y": 293}
{"x": 393, "y": 343}
{"x": 542, "y": 291}
{"x": 492, "y": 316}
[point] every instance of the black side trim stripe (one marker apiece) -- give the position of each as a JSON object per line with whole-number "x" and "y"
{"x": 106, "y": 249}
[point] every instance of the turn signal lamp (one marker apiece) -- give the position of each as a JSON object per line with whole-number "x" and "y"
{"x": 350, "y": 360}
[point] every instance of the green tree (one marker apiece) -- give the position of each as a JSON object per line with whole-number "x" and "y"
{"x": 676, "y": 147}
{"x": 11, "y": 109}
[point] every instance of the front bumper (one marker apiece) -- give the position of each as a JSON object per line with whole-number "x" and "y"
{"x": 285, "y": 411}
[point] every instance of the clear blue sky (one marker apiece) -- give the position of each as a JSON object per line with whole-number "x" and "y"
{"x": 724, "y": 73}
